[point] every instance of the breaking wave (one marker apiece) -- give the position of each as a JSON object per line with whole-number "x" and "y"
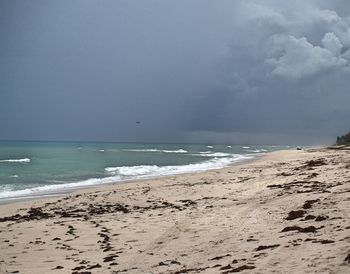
{"x": 122, "y": 173}
{"x": 212, "y": 154}
{"x": 24, "y": 160}
{"x": 57, "y": 188}
{"x": 157, "y": 150}
{"x": 143, "y": 171}
{"x": 175, "y": 151}
{"x": 143, "y": 150}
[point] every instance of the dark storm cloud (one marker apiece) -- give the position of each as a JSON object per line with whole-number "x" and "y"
{"x": 286, "y": 73}
{"x": 225, "y": 71}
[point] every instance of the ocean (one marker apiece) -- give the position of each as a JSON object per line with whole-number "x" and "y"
{"x": 31, "y": 169}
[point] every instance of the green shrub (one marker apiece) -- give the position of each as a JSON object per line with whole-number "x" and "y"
{"x": 343, "y": 140}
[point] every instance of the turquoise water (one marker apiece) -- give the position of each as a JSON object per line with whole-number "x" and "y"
{"x": 36, "y": 168}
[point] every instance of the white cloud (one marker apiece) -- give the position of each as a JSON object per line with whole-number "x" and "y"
{"x": 331, "y": 42}
{"x": 296, "y": 58}
{"x": 293, "y": 40}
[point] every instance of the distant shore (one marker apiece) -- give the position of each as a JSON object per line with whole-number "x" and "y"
{"x": 286, "y": 212}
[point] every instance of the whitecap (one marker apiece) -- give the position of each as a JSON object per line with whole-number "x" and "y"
{"x": 123, "y": 173}
{"x": 175, "y": 151}
{"x": 14, "y": 176}
{"x": 24, "y": 160}
{"x": 156, "y": 150}
{"x": 210, "y": 154}
{"x": 47, "y": 189}
{"x": 205, "y": 152}
{"x": 143, "y": 171}
{"x": 132, "y": 170}
{"x": 143, "y": 150}
{"x": 257, "y": 150}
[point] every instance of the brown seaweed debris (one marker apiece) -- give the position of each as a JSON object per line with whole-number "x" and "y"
{"x": 347, "y": 259}
{"x": 308, "y": 229}
{"x": 295, "y": 214}
{"x": 263, "y": 247}
{"x": 219, "y": 257}
{"x": 308, "y": 204}
{"x": 188, "y": 270}
{"x": 238, "y": 269}
{"x": 313, "y": 163}
{"x": 321, "y": 218}
{"x": 34, "y": 213}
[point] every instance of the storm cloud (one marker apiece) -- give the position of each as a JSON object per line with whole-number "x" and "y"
{"x": 285, "y": 73}
{"x": 189, "y": 71}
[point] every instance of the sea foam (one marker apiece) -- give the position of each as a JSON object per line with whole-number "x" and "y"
{"x": 123, "y": 173}
{"x": 212, "y": 154}
{"x": 157, "y": 150}
{"x": 175, "y": 151}
{"x": 24, "y": 160}
{"x": 143, "y": 171}
{"x": 143, "y": 150}
{"x": 57, "y": 188}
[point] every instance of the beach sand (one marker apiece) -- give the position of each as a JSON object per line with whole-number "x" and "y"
{"x": 287, "y": 212}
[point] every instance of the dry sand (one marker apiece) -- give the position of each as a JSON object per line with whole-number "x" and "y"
{"x": 287, "y": 212}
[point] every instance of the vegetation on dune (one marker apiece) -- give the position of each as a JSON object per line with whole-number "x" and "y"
{"x": 344, "y": 140}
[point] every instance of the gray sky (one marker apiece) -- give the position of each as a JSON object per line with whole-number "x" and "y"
{"x": 190, "y": 71}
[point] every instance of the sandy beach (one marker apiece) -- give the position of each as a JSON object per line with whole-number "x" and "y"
{"x": 287, "y": 212}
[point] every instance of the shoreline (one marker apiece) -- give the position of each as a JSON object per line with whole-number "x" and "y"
{"x": 286, "y": 212}
{"x": 69, "y": 190}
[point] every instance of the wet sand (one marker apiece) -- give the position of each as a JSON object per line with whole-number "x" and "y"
{"x": 287, "y": 212}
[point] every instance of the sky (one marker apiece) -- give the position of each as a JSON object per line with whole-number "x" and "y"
{"x": 244, "y": 71}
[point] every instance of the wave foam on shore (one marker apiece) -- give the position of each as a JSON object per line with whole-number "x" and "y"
{"x": 124, "y": 173}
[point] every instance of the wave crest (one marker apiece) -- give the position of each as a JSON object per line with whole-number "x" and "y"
{"x": 157, "y": 150}
{"x": 24, "y": 160}
{"x": 175, "y": 151}
{"x": 212, "y": 154}
{"x": 143, "y": 171}
{"x": 121, "y": 173}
